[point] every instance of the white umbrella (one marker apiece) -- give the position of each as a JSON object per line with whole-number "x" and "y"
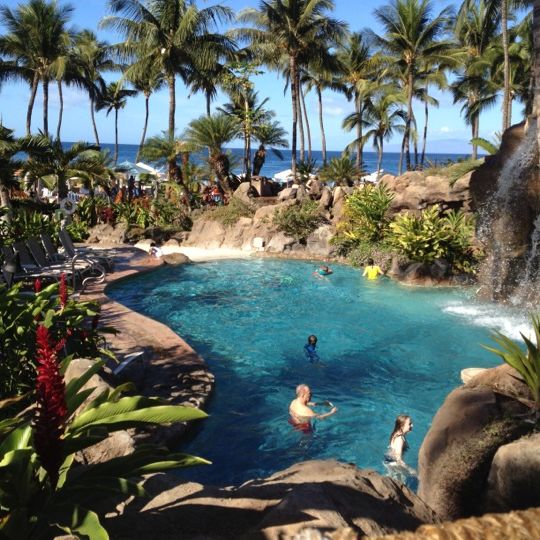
{"x": 283, "y": 176}
{"x": 148, "y": 168}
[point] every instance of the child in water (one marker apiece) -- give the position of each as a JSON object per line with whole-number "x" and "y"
{"x": 322, "y": 271}
{"x": 310, "y": 349}
{"x": 397, "y": 446}
{"x": 372, "y": 271}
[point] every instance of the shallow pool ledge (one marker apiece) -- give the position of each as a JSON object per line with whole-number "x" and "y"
{"x": 173, "y": 371}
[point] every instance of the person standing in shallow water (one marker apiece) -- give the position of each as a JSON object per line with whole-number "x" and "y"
{"x": 372, "y": 271}
{"x": 397, "y": 446}
{"x": 310, "y": 349}
{"x": 300, "y": 410}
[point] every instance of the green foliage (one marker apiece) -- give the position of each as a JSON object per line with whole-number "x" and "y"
{"x": 342, "y": 170}
{"x": 432, "y": 236}
{"x": 20, "y": 313}
{"x": 362, "y": 251}
{"x": 306, "y": 167}
{"x": 365, "y": 218}
{"x": 33, "y": 505}
{"x": 454, "y": 170}
{"x": 229, "y": 214}
{"x": 490, "y": 147}
{"x": 525, "y": 362}
{"x": 25, "y": 223}
{"x": 299, "y": 221}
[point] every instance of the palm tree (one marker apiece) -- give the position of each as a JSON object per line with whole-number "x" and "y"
{"x": 146, "y": 78}
{"x": 174, "y": 35}
{"x": 113, "y": 97}
{"x": 9, "y": 146}
{"x": 91, "y": 58}
{"x": 358, "y": 77}
{"x": 271, "y": 135}
{"x": 411, "y": 38}
{"x": 36, "y": 41}
{"x": 213, "y": 132}
{"x": 48, "y": 157}
{"x": 386, "y": 116}
{"x": 342, "y": 170}
{"x": 292, "y": 28}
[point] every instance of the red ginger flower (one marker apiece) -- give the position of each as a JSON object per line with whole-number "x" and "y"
{"x": 37, "y": 285}
{"x": 51, "y": 410}
{"x": 62, "y": 290}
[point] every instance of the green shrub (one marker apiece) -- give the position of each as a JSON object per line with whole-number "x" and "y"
{"x": 365, "y": 218}
{"x": 298, "y": 221}
{"x": 381, "y": 253}
{"x": 342, "y": 170}
{"x": 432, "y": 236}
{"x": 229, "y": 214}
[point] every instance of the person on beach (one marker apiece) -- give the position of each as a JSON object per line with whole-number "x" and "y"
{"x": 301, "y": 412}
{"x": 155, "y": 251}
{"x": 397, "y": 446}
{"x": 372, "y": 270}
{"x": 310, "y": 349}
{"x": 323, "y": 271}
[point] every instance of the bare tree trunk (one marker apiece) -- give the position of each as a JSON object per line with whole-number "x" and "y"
{"x": 33, "y": 92}
{"x": 61, "y": 112}
{"x": 92, "y": 114}
{"x": 506, "y": 65}
{"x": 308, "y": 130}
{"x": 294, "y": 99}
{"x": 321, "y": 123}
{"x": 424, "y": 143}
{"x": 146, "y": 114}
{"x": 115, "y": 136}
{"x": 407, "y": 133}
{"x": 46, "y": 106}
{"x": 301, "y": 125}
{"x": 172, "y": 103}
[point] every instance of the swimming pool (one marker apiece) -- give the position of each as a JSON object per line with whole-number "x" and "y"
{"x": 387, "y": 349}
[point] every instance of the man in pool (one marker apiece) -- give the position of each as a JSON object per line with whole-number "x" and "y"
{"x": 301, "y": 411}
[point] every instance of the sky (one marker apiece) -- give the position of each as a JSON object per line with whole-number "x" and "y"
{"x": 447, "y": 131}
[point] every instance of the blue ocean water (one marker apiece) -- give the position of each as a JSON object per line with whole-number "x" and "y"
{"x": 386, "y": 349}
{"x": 273, "y": 165}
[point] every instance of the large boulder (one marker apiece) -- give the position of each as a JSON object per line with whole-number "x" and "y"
{"x": 206, "y": 233}
{"x": 318, "y": 242}
{"x": 324, "y": 494}
{"x": 473, "y": 422}
{"x": 175, "y": 259}
{"x": 245, "y": 193}
{"x": 106, "y": 235}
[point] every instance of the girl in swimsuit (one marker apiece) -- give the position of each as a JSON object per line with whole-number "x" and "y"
{"x": 393, "y": 460}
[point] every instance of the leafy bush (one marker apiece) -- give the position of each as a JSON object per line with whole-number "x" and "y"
{"x": 342, "y": 170}
{"x": 525, "y": 362}
{"x": 454, "y": 170}
{"x": 381, "y": 253}
{"x": 25, "y": 223}
{"x": 298, "y": 221}
{"x": 365, "y": 217}
{"x": 20, "y": 314}
{"x": 41, "y": 493}
{"x": 306, "y": 167}
{"x": 432, "y": 236}
{"x": 229, "y": 214}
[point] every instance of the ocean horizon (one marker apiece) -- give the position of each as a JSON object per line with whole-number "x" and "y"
{"x": 273, "y": 165}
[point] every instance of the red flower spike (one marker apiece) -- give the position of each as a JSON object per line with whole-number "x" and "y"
{"x": 63, "y": 291}
{"x": 37, "y": 285}
{"x": 51, "y": 411}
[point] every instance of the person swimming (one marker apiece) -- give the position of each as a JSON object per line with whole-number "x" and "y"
{"x": 310, "y": 349}
{"x": 300, "y": 410}
{"x": 323, "y": 271}
{"x": 372, "y": 270}
{"x": 397, "y": 446}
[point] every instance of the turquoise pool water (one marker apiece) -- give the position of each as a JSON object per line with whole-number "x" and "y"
{"x": 386, "y": 349}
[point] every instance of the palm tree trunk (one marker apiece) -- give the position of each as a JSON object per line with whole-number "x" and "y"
{"x": 61, "y": 112}
{"x": 93, "y": 116}
{"x": 400, "y": 166}
{"x": 208, "y": 104}
{"x": 294, "y": 99}
{"x": 46, "y": 106}
{"x": 4, "y": 200}
{"x": 506, "y": 65}
{"x": 247, "y": 142}
{"x": 308, "y": 130}
{"x": 62, "y": 187}
{"x": 321, "y": 123}
{"x": 424, "y": 143}
{"x": 301, "y": 125}
{"x": 33, "y": 93}
{"x": 379, "y": 157}
{"x": 415, "y": 143}
{"x": 172, "y": 103}
{"x": 407, "y": 135}
{"x": 115, "y": 136}
{"x": 536, "y": 71}
{"x": 359, "y": 146}
{"x": 146, "y": 114}
{"x": 475, "y": 131}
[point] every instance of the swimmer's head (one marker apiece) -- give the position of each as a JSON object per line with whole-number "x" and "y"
{"x": 402, "y": 426}
{"x": 303, "y": 390}
{"x": 312, "y": 340}
{"x": 370, "y": 262}
{"x": 325, "y": 268}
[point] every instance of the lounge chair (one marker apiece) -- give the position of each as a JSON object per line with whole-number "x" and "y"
{"x": 12, "y": 272}
{"x": 104, "y": 256}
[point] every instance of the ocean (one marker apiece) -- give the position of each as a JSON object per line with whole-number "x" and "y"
{"x": 273, "y": 165}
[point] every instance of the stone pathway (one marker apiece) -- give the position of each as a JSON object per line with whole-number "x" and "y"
{"x": 171, "y": 369}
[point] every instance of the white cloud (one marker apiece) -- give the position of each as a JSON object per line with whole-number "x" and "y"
{"x": 446, "y": 129}
{"x": 334, "y": 111}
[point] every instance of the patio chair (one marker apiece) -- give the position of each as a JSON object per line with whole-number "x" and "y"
{"x": 103, "y": 256}
{"x": 12, "y": 271}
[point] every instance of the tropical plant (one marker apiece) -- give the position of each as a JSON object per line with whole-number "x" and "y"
{"x": 113, "y": 97}
{"x": 37, "y": 41}
{"x": 525, "y": 362}
{"x": 174, "y": 35}
{"x": 270, "y": 135}
{"x": 365, "y": 218}
{"x": 306, "y": 167}
{"x": 412, "y": 38}
{"x": 42, "y": 493}
{"x": 491, "y": 147}
{"x": 432, "y": 236}
{"x": 213, "y": 132}
{"x": 298, "y": 221}
{"x": 343, "y": 171}
{"x": 229, "y": 214}
{"x": 292, "y": 30}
